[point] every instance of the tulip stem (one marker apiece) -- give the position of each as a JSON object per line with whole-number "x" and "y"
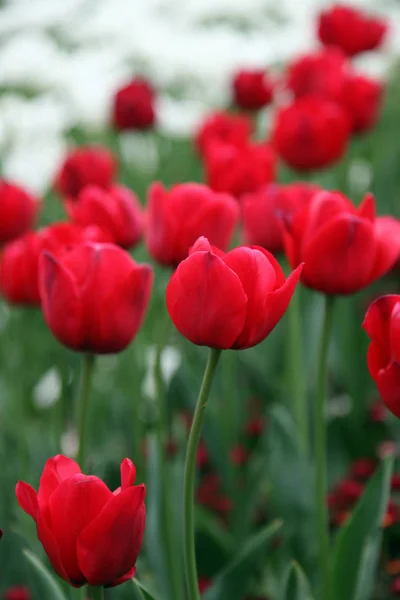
{"x": 189, "y": 482}
{"x": 320, "y": 452}
{"x": 94, "y": 593}
{"x": 87, "y": 367}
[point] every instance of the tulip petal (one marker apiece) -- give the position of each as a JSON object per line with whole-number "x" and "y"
{"x": 128, "y": 473}
{"x": 109, "y": 546}
{"x": 387, "y": 233}
{"x": 73, "y": 505}
{"x": 27, "y": 499}
{"x": 160, "y": 230}
{"x": 55, "y": 471}
{"x": 206, "y": 301}
{"x": 388, "y": 384}
{"x": 377, "y": 324}
{"x": 130, "y": 575}
{"x": 367, "y": 208}
{"x": 52, "y": 549}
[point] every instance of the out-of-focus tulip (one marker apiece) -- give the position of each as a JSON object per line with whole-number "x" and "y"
{"x": 231, "y": 300}
{"x": 319, "y": 73}
{"x": 94, "y": 298}
{"x": 223, "y": 128}
{"x": 363, "y": 468}
{"x": 134, "y": 106}
{"x": 18, "y": 211}
{"x": 252, "y": 89}
{"x": 361, "y": 97}
{"x": 17, "y": 592}
{"x": 176, "y": 218}
{"x": 87, "y": 165}
{"x": 90, "y": 534}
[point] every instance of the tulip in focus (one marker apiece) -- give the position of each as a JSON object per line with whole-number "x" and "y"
{"x": 223, "y": 128}
{"x": 264, "y": 211}
{"x": 116, "y": 211}
{"x": 350, "y": 29}
{"x": 18, "y": 211}
{"x": 133, "y": 106}
{"x": 90, "y": 534}
{"x": 228, "y": 301}
{"x": 252, "y": 89}
{"x": 176, "y": 218}
{"x": 344, "y": 248}
{"x": 87, "y": 165}
{"x": 17, "y": 592}
{"x": 311, "y": 133}
{"x": 94, "y": 298}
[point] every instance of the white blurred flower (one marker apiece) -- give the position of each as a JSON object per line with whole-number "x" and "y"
{"x": 171, "y": 360}
{"x": 48, "y": 389}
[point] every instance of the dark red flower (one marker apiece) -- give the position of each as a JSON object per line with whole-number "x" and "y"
{"x": 392, "y": 515}
{"x": 344, "y": 248}
{"x": 87, "y": 165}
{"x": 348, "y": 492}
{"x": 209, "y": 494}
{"x": 395, "y": 587}
{"x": 311, "y": 133}
{"x": 134, "y": 106}
{"x": 204, "y": 584}
{"x": 363, "y": 468}
{"x": 351, "y": 30}
{"x": 252, "y": 89}
{"x": 223, "y": 128}
{"x": 395, "y": 483}
{"x": 116, "y": 210}
{"x": 239, "y": 455}
{"x": 264, "y": 211}
{"x": 17, "y": 592}
{"x": 90, "y": 534}
{"x": 377, "y": 412}
{"x": 231, "y": 300}
{"x": 382, "y": 324}
{"x": 176, "y": 218}
{"x": 239, "y": 170}
{"x": 321, "y": 73}
{"x": 18, "y": 211}
{"x": 361, "y": 97}
{"x": 94, "y": 297}
{"x": 255, "y": 426}
{"x": 202, "y": 456}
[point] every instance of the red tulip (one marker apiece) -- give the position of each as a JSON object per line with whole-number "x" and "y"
{"x": 362, "y": 97}
{"x": 395, "y": 482}
{"x": 252, "y": 89}
{"x": 133, "y": 106}
{"x": 87, "y": 165}
{"x": 382, "y": 324}
{"x": 17, "y": 592}
{"x": 116, "y": 210}
{"x": 311, "y": 133}
{"x": 264, "y": 211}
{"x": 204, "y": 584}
{"x": 395, "y": 587}
{"x": 350, "y": 29}
{"x": 231, "y": 300}
{"x": 90, "y": 534}
{"x": 18, "y": 210}
{"x": 344, "y": 248}
{"x": 363, "y": 468}
{"x": 176, "y": 218}
{"x": 239, "y": 170}
{"x": 321, "y": 73}
{"x": 94, "y": 297}
{"x": 19, "y": 261}
{"x": 223, "y": 128}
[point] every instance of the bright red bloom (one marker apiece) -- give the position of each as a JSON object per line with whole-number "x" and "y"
{"x": 264, "y": 211}
{"x": 87, "y": 165}
{"x": 363, "y": 468}
{"x": 18, "y": 211}
{"x": 382, "y": 324}
{"x": 252, "y": 89}
{"x": 17, "y": 592}
{"x": 321, "y": 73}
{"x": 134, "y": 106}
{"x": 223, "y": 128}
{"x": 351, "y": 30}
{"x": 19, "y": 261}
{"x": 239, "y": 170}
{"x": 90, "y": 534}
{"x": 311, "y": 133}
{"x": 116, "y": 210}
{"x": 176, "y": 218}
{"x": 362, "y": 97}
{"x": 344, "y": 248}
{"x": 231, "y": 300}
{"x": 94, "y": 298}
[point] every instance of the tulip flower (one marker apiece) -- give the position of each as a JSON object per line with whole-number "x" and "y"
{"x": 176, "y": 218}
{"x": 239, "y": 170}
{"x": 264, "y": 211}
{"x": 361, "y": 97}
{"x": 223, "y": 128}
{"x": 320, "y": 73}
{"x": 350, "y": 29}
{"x": 18, "y": 211}
{"x": 17, "y": 592}
{"x": 252, "y": 89}
{"x": 90, "y": 534}
{"x": 382, "y": 324}
{"x": 94, "y": 297}
{"x": 344, "y": 248}
{"x": 231, "y": 300}
{"x": 116, "y": 211}
{"x": 87, "y": 165}
{"x": 133, "y": 106}
{"x": 311, "y": 133}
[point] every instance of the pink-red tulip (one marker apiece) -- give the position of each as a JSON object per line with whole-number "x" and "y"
{"x": 18, "y": 211}
{"x": 252, "y": 89}
{"x": 223, "y": 128}
{"x": 87, "y": 165}
{"x": 362, "y": 97}
{"x": 319, "y": 73}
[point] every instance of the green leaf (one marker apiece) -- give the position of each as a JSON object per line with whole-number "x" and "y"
{"x": 140, "y": 592}
{"x": 296, "y": 584}
{"x": 233, "y": 581}
{"x": 52, "y": 590}
{"x": 357, "y": 544}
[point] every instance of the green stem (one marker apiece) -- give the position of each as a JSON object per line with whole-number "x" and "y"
{"x": 298, "y": 387}
{"x": 190, "y": 470}
{"x": 94, "y": 593}
{"x": 87, "y": 367}
{"x": 320, "y": 451}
